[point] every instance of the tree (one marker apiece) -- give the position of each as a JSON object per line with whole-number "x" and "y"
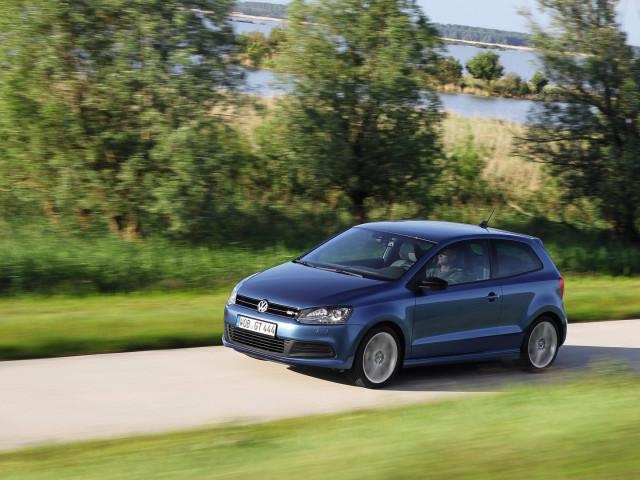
{"x": 449, "y": 70}
{"x": 485, "y": 66}
{"x": 539, "y": 82}
{"x": 258, "y": 47}
{"x": 357, "y": 120}
{"x": 105, "y": 103}
{"x": 255, "y": 45}
{"x": 276, "y": 36}
{"x": 592, "y": 142}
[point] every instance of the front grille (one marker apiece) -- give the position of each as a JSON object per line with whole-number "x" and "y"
{"x": 256, "y": 340}
{"x": 274, "y": 308}
{"x": 280, "y": 346}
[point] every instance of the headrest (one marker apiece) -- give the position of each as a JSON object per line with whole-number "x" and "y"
{"x": 409, "y": 251}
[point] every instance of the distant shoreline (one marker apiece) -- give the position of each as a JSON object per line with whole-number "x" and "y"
{"x": 253, "y": 17}
{"x": 496, "y": 45}
{"x": 469, "y": 42}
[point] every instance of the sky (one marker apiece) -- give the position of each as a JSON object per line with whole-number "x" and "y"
{"x": 503, "y": 14}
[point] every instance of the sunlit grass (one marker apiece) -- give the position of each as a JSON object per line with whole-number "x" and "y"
{"x": 33, "y": 327}
{"x": 597, "y": 298}
{"x": 586, "y": 430}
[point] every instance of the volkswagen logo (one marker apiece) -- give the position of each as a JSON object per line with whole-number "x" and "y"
{"x": 263, "y": 305}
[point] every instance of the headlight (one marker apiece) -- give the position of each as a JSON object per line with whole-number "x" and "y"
{"x": 232, "y": 297}
{"x": 325, "y": 315}
{"x": 234, "y": 292}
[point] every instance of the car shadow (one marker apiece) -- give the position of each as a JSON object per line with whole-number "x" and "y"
{"x": 479, "y": 377}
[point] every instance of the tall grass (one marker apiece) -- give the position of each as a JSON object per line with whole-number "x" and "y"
{"x": 53, "y": 264}
{"x": 495, "y": 139}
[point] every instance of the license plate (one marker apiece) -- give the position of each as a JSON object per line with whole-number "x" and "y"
{"x": 258, "y": 326}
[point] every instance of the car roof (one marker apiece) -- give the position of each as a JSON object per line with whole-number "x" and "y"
{"x": 439, "y": 232}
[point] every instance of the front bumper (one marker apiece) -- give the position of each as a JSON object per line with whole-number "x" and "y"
{"x": 328, "y": 346}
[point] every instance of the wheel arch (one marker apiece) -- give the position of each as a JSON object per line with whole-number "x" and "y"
{"x": 397, "y": 329}
{"x": 559, "y": 324}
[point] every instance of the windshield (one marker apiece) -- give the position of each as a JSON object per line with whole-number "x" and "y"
{"x": 368, "y": 253}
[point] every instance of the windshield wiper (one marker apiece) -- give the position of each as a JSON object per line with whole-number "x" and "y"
{"x": 344, "y": 272}
{"x": 328, "y": 269}
{"x": 306, "y": 264}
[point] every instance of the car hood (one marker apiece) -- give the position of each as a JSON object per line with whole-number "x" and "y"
{"x": 297, "y": 285}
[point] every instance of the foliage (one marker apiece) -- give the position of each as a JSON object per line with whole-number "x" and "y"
{"x": 449, "y": 70}
{"x": 257, "y": 46}
{"x": 105, "y": 109}
{"x": 539, "y": 81}
{"x": 486, "y": 66}
{"x": 350, "y": 126}
{"x": 510, "y": 85}
{"x": 462, "y": 173}
{"x": 592, "y": 143}
{"x": 52, "y": 262}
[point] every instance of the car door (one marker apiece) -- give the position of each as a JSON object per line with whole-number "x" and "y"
{"x": 463, "y": 318}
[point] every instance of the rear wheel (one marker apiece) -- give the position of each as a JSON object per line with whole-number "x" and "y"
{"x": 540, "y": 345}
{"x": 377, "y": 359}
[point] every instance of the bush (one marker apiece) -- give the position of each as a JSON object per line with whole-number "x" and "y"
{"x": 511, "y": 85}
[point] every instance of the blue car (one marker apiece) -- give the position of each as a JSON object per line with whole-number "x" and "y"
{"x": 386, "y": 295}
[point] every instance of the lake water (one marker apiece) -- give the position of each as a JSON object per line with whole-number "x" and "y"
{"x": 522, "y": 62}
{"x": 265, "y": 83}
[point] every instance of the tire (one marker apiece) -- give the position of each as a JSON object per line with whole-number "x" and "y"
{"x": 377, "y": 359}
{"x": 540, "y": 346}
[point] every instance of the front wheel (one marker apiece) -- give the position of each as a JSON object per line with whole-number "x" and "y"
{"x": 540, "y": 345}
{"x": 377, "y": 359}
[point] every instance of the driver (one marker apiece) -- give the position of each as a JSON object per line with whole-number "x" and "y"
{"x": 447, "y": 268}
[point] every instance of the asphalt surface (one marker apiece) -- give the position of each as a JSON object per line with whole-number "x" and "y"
{"x": 103, "y": 396}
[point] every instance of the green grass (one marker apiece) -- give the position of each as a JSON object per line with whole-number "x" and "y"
{"x": 585, "y": 430}
{"x": 602, "y": 298}
{"x": 32, "y": 327}
{"x": 36, "y": 327}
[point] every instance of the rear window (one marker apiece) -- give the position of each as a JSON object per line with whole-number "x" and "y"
{"x": 514, "y": 258}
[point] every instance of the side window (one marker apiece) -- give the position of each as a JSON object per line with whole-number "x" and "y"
{"x": 514, "y": 258}
{"x": 462, "y": 262}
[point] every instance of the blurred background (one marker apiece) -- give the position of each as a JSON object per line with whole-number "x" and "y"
{"x": 143, "y": 144}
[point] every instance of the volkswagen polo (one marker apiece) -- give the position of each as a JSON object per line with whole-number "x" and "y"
{"x": 386, "y": 295}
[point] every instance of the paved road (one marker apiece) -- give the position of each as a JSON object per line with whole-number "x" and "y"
{"x": 99, "y": 396}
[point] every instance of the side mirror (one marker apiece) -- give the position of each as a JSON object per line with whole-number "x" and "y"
{"x": 433, "y": 284}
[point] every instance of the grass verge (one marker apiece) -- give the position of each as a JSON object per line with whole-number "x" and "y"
{"x": 602, "y": 298}
{"x": 33, "y": 327}
{"x": 525, "y": 433}
{"x": 39, "y": 327}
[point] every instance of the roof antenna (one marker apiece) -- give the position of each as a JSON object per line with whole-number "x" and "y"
{"x": 485, "y": 223}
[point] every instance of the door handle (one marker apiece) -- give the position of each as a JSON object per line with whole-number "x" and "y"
{"x": 492, "y": 296}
